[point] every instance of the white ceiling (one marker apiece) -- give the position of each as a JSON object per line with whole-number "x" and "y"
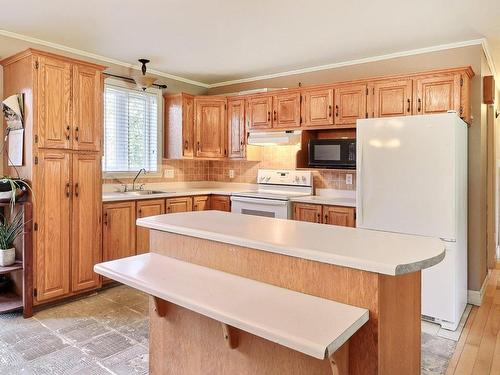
{"x": 221, "y": 40}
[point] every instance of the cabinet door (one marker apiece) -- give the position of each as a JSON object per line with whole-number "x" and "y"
{"x": 201, "y": 203}
{"x": 336, "y": 215}
{"x": 86, "y": 245}
{"x": 307, "y": 212}
{"x": 286, "y": 110}
{"x": 87, "y": 108}
{"x": 437, "y": 94}
{"x": 350, "y": 104}
{"x": 145, "y": 208}
{"x": 187, "y": 126}
{"x": 52, "y": 215}
{"x": 54, "y": 103}
{"x": 180, "y": 204}
{"x": 118, "y": 230}
{"x": 392, "y": 98}
{"x": 210, "y": 127}
{"x": 259, "y": 112}
{"x": 317, "y": 107}
{"x": 220, "y": 203}
{"x": 236, "y": 128}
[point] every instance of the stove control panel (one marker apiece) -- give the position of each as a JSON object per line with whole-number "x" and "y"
{"x": 284, "y": 177}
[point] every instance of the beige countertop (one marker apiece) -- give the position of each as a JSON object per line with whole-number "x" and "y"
{"x": 374, "y": 251}
{"x": 319, "y": 199}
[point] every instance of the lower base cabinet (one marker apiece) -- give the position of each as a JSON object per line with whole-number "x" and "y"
{"x": 201, "y": 203}
{"x": 179, "y": 204}
{"x": 145, "y": 208}
{"x": 325, "y": 214}
{"x": 220, "y": 203}
{"x": 118, "y": 230}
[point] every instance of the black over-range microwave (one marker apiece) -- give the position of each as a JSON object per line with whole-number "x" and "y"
{"x": 332, "y": 153}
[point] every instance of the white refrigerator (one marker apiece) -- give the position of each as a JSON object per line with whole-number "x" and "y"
{"x": 412, "y": 178}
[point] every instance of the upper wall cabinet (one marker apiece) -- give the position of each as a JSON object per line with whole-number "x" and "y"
{"x": 259, "y": 112}
{"x": 392, "y": 98}
{"x": 317, "y": 107}
{"x": 438, "y": 93}
{"x": 69, "y": 105}
{"x": 350, "y": 104}
{"x": 286, "y": 110}
{"x": 236, "y": 127}
{"x": 179, "y": 122}
{"x": 210, "y": 127}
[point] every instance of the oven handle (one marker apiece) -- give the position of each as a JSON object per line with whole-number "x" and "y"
{"x": 268, "y": 202}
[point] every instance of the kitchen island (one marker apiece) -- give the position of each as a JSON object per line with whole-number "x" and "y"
{"x": 378, "y": 272}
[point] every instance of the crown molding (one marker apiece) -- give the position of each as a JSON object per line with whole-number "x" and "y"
{"x": 90, "y": 55}
{"x": 418, "y": 51}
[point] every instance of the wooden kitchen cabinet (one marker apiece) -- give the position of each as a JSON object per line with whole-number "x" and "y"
{"x": 317, "y": 107}
{"x": 54, "y": 103}
{"x": 179, "y": 204}
{"x": 307, "y": 212}
{"x": 236, "y": 127}
{"x": 325, "y": 214}
{"x": 52, "y": 216}
{"x": 145, "y": 208}
{"x": 179, "y": 126}
{"x": 338, "y": 215}
{"x": 87, "y": 108}
{"x": 118, "y": 230}
{"x": 201, "y": 203}
{"x": 86, "y": 239}
{"x": 259, "y": 111}
{"x": 286, "y": 110}
{"x": 220, "y": 203}
{"x": 210, "y": 127}
{"x": 438, "y": 94}
{"x": 350, "y": 104}
{"x": 392, "y": 98}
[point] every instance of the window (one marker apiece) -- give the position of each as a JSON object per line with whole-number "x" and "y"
{"x": 132, "y": 127}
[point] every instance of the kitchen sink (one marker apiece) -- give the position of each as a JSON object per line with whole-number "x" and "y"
{"x": 146, "y": 192}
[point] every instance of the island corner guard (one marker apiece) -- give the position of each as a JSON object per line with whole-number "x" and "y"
{"x": 389, "y": 343}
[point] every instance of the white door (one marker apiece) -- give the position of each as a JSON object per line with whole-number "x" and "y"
{"x": 406, "y": 173}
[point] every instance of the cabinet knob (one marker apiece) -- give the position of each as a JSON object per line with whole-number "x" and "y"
{"x": 77, "y": 132}
{"x": 186, "y": 144}
{"x": 326, "y": 218}
{"x": 408, "y": 108}
{"x": 68, "y": 189}
{"x": 140, "y": 212}
{"x": 330, "y": 110}
{"x": 77, "y": 189}
{"x": 419, "y": 108}
{"x": 268, "y": 116}
{"x": 336, "y": 110}
{"x": 274, "y": 115}
{"x": 67, "y": 132}
{"x": 319, "y": 218}
{"x": 106, "y": 218}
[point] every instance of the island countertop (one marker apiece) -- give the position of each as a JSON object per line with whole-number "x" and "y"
{"x": 368, "y": 250}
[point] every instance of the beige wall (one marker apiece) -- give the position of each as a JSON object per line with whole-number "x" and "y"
{"x": 473, "y": 56}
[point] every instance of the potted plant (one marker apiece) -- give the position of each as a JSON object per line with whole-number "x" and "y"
{"x": 11, "y": 189}
{"x": 9, "y": 231}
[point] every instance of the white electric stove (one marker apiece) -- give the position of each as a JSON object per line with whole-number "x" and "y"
{"x": 272, "y": 197}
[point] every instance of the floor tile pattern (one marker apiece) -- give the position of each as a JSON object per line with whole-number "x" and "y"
{"x": 107, "y": 333}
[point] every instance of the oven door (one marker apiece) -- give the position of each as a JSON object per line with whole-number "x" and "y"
{"x": 261, "y": 207}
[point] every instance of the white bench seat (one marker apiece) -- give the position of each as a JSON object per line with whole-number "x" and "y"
{"x": 308, "y": 324}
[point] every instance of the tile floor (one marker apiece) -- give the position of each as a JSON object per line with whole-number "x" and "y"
{"x": 107, "y": 333}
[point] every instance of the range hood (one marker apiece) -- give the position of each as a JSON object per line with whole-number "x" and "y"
{"x": 289, "y": 137}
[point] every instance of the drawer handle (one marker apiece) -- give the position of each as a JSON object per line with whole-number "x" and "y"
{"x": 326, "y": 218}
{"x": 68, "y": 132}
{"x": 419, "y": 108}
{"x": 77, "y": 189}
{"x": 336, "y": 110}
{"x": 77, "y": 132}
{"x": 268, "y": 116}
{"x": 186, "y": 145}
{"x": 198, "y": 146}
{"x": 319, "y": 218}
{"x": 68, "y": 190}
{"x": 274, "y": 115}
{"x": 106, "y": 218}
{"x": 408, "y": 108}
{"x": 330, "y": 110}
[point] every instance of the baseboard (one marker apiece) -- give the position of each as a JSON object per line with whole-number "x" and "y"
{"x": 475, "y": 297}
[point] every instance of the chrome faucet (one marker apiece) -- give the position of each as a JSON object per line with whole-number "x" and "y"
{"x": 136, "y": 176}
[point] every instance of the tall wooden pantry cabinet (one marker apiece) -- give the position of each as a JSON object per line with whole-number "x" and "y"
{"x": 63, "y": 101}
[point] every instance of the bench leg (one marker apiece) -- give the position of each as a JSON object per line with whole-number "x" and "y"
{"x": 339, "y": 361}
{"x": 230, "y": 336}
{"x": 160, "y": 306}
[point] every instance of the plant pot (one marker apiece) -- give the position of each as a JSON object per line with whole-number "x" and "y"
{"x": 7, "y": 257}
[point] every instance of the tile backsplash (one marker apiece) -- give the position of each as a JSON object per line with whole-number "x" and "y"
{"x": 271, "y": 157}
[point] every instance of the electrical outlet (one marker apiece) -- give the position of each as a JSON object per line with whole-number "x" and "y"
{"x": 231, "y": 173}
{"x": 169, "y": 173}
{"x": 348, "y": 179}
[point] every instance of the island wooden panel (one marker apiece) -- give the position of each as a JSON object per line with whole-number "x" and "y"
{"x": 389, "y": 343}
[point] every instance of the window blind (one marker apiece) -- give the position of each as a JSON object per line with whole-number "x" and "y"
{"x": 130, "y": 130}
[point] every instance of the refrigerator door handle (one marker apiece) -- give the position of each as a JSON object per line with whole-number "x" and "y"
{"x": 359, "y": 178}
{"x": 447, "y": 239}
